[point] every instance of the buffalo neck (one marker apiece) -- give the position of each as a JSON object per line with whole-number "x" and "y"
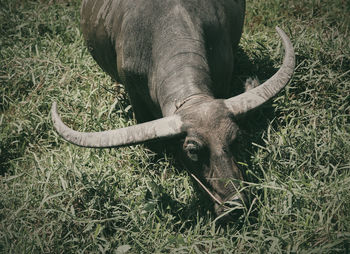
{"x": 180, "y": 67}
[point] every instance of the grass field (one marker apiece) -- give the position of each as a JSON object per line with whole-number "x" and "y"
{"x": 59, "y": 198}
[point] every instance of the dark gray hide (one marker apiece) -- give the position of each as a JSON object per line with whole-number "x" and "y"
{"x": 175, "y": 58}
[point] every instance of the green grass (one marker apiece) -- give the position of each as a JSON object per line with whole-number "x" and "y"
{"x": 58, "y": 198}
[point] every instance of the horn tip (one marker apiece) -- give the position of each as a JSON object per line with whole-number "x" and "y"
{"x": 279, "y": 30}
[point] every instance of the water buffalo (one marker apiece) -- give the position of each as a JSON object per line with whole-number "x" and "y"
{"x": 175, "y": 58}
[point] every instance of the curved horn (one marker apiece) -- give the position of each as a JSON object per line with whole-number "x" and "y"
{"x": 251, "y": 99}
{"x": 162, "y": 128}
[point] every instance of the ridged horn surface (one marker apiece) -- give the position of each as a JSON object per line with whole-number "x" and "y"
{"x": 252, "y": 99}
{"x": 167, "y": 127}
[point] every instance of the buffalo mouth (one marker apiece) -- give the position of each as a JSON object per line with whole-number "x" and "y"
{"x": 230, "y": 210}
{"x": 225, "y": 209}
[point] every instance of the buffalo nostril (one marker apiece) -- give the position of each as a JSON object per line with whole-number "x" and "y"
{"x": 239, "y": 200}
{"x": 236, "y": 202}
{"x": 231, "y": 209}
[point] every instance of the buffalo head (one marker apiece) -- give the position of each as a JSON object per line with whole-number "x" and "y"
{"x": 208, "y": 128}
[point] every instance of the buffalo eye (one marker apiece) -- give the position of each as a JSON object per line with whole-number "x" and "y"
{"x": 192, "y": 149}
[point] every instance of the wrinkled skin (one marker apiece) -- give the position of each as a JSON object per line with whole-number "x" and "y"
{"x": 164, "y": 52}
{"x": 210, "y": 139}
